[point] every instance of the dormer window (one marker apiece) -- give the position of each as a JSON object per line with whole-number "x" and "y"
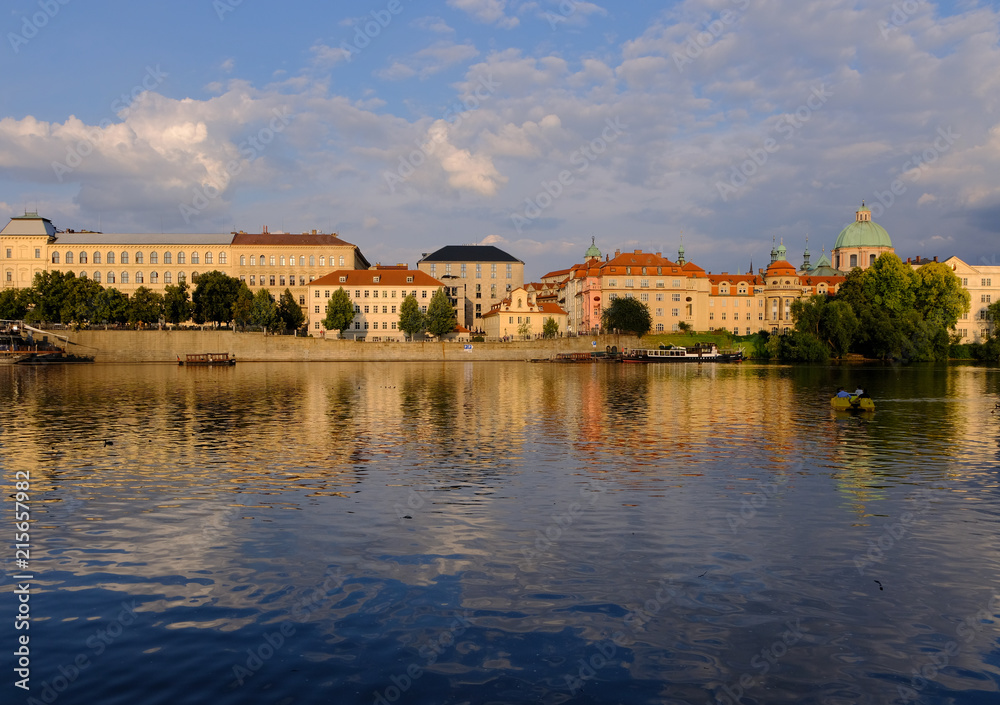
{"x": 409, "y": 280}
{"x": 343, "y": 278}
{"x": 376, "y": 280}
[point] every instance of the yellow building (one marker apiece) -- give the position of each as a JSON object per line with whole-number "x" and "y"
{"x": 475, "y": 278}
{"x": 31, "y": 244}
{"x": 522, "y": 315}
{"x": 376, "y": 294}
{"x": 983, "y": 284}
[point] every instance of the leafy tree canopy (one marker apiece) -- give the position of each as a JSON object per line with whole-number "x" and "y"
{"x": 339, "y": 312}
{"x": 264, "y": 312}
{"x": 411, "y": 320}
{"x": 145, "y": 306}
{"x": 177, "y": 302}
{"x": 290, "y": 312}
{"x": 628, "y": 315}
{"x": 214, "y": 296}
{"x": 441, "y": 318}
{"x": 939, "y": 295}
{"x": 551, "y": 328}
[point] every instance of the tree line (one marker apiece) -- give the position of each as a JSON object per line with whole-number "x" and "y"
{"x": 62, "y": 297}
{"x": 439, "y": 319}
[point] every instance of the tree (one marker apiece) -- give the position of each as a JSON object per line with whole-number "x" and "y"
{"x": 939, "y": 295}
{"x": 176, "y": 303}
{"x": 627, "y": 315}
{"x": 890, "y": 284}
{"x": 290, "y": 312}
{"x": 14, "y": 303}
{"x": 242, "y": 305}
{"x": 551, "y": 328}
{"x": 145, "y": 306}
{"x": 684, "y": 326}
{"x": 411, "y": 321}
{"x": 339, "y": 312}
{"x": 524, "y": 330}
{"x": 214, "y": 296}
{"x": 263, "y": 312}
{"x": 50, "y": 291}
{"x": 112, "y": 307}
{"x": 80, "y": 304}
{"x": 839, "y": 326}
{"x": 441, "y": 318}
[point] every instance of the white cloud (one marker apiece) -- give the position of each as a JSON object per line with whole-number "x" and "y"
{"x": 487, "y": 11}
{"x": 429, "y": 61}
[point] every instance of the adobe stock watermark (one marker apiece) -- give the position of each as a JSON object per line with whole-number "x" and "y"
{"x": 566, "y": 9}
{"x": 581, "y": 159}
{"x": 250, "y": 149}
{"x": 429, "y": 651}
{"x": 763, "y": 661}
{"x": 893, "y": 533}
{"x": 965, "y": 632}
{"x": 224, "y": 7}
{"x": 97, "y": 643}
{"x": 32, "y": 25}
{"x": 365, "y": 32}
{"x": 454, "y": 115}
{"x": 120, "y": 107}
{"x": 634, "y": 621}
{"x": 272, "y": 642}
{"x": 698, "y": 42}
{"x": 786, "y": 128}
{"x": 913, "y": 168}
{"x": 562, "y": 522}
{"x": 901, "y": 14}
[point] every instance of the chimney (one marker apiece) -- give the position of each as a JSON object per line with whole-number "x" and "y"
{"x": 617, "y": 252}
{"x": 935, "y": 258}
{"x": 637, "y": 252}
{"x": 314, "y": 232}
{"x": 908, "y": 261}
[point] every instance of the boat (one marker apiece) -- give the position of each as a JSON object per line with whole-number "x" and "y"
{"x": 699, "y": 352}
{"x": 18, "y": 346}
{"x": 853, "y": 403}
{"x": 207, "y": 360}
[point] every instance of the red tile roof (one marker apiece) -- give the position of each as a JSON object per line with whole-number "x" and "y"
{"x": 288, "y": 239}
{"x": 386, "y": 277}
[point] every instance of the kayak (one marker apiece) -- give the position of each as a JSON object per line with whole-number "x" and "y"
{"x": 856, "y": 403}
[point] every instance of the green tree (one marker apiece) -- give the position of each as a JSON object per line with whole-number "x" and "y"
{"x": 242, "y": 306}
{"x": 839, "y": 326}
{"x": 890, "y": 284}
{"x": 684, "y": 326}
{"x": 145, "y": 306}
{"x": 524, "y": 330}
{"x": 112, "y": 307}
{"x": 441, "y": 318}
{"x": 81, "y": 300}
{"x": 177, "y": 303}
{"x": 290, "y": 312}
{"x": 411, "y": 320}
{"x": 14, "y": 304}
{"x": 628, "y": 315}
{"x": 339, "y": 312}
{"x": 214, "y": 296}
{"x": 939, "y": 295}
{"x": 263, "y": 311}
{"x": 50, "y": 292}
{"x": 797, "y": 346}
{"x": 551, "y": 328}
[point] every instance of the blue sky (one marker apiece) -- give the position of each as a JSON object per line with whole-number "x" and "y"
{"x": 533, "y": 125}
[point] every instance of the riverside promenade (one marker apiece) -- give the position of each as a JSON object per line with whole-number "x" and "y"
{"x": 125, "y": 346}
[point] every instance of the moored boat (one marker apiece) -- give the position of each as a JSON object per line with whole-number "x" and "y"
{"x": 207, "y": 360}
{"x": 700, "y": 352}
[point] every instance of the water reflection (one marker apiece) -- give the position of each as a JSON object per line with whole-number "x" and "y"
{"x": 600, "y": 533}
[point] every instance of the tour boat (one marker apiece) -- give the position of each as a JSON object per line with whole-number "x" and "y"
{"x": 207, "y": 359}
{"x": 700, "y": 352}
{"x": 853, "y": 403}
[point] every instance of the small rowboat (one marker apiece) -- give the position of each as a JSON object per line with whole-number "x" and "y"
{"x": 853, "y": 403}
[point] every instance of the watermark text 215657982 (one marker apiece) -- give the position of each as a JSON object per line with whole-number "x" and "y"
{"x": 22, "y": 554}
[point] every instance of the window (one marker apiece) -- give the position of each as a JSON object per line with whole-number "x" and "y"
{"x": 10, "y": 276}
{"x": 124, "y": 258}
{"x": 253, "y": 280}
{"x": 493, "y": 271}
{"x": 83, "y": 258}
{"x": 871, "y": 260}
{"x": 181, "y": 259}
{"x": 987, "y": 282}
{"x": 965, "y": 281}
{"x": 423, "y": 309}
{"x": 302, "y": 260}
{"x": 110, "y": 259}
{"x": 222, "y": 258}
{"x": 659, "y": 312}
{"x": 479, "y": 291}
{"x": 97, "y": 277}
{"x": 612, "y": 282}
{"x": 312, "y": 260}
{"x": 393, "y": 309}
{"x": 38, "y": 253}
{"x": 167, "y": 278}
{"x": 260, "y": 260}
{"x": 194, "y": 258}
{"x": 409, "y": 280}
{"x": 357, "y": 325}
{"x": 644, "y": 284}
{"x": 986, "y": 298}
{"x": 629, "y": 283}
{"x": 271, "y": 260}
{"x": 674, "y": 312}
{"x": 423, "y": 294}
{"x": 281, "y": 280}
{"x": 243, "y": 260}
{"x": 659, "y": 327}
{"x": 644, "y": 296}
{"x": 659, "y": 283}
{"x": 463, "y": 271}
{"x": 433, "y": 269}
{"x": 316, "y": 309}
{"x": 711, "y": 315}
{"x": 447, "y": 269}
{"x": 723, "y": 315}
{"x": 493, "y": 291}
{"x": 509, "y": 275}
{"x": 272, "y": 279}
{"x": 138, "y": 278}
{"x": 111, "y": 277}
{"x": 10, "y": 253}
{"x": 394, "y": 325}
{"x": 760, "y": 316}
{"x": 69, "y": 258}
{"x": 322, "y": 261}
{"x": 342, "y": 260}
{"x": 97, "y": 258}
{"x": 282, "y": 261}
{"x": 55, "y": 258}
{"x": 479, "y": 271}
{"x": 854, "y": 260}
{"x": 208, "y": 258}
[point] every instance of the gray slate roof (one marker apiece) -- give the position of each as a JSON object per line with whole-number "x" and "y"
{"x": 470, "y": 253}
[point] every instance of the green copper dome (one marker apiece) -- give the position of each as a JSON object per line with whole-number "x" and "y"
{"x": 592, "y": 251}
{"x": 863, "y": 232}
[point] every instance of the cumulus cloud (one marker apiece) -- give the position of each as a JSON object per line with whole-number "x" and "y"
{"x": 487, "y": 11}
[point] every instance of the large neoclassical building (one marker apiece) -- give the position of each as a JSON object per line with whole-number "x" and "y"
{"x": 31, "y": 244}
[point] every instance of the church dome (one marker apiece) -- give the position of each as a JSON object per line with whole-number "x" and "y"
{"x": 863, "y": 232}
{"x": 592, "y": 251}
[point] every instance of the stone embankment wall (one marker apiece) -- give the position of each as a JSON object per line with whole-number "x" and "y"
{"x": 168, "y": 346}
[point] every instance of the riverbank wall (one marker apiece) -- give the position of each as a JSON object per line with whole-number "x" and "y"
{"x": 153, "y": 346}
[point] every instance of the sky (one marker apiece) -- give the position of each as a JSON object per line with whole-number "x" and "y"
{"x": 535, "y": 126}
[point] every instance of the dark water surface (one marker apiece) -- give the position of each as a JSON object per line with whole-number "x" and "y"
{"x": 504, "y": 533}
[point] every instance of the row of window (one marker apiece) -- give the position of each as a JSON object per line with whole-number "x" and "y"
{"x": 275, "y": 279}
{"x": 374, "y": 293}
{"x": 123, "y": 258}
{"x": 280, "y": 261}
{"x": 137, "y": 277}
{"x": 479, "y": 270}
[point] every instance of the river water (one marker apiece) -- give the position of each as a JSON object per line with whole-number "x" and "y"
{"x": 503, "y": 533}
